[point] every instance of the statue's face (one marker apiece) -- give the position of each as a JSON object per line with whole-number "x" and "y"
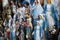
{"x": 40, "y": 17}
{"x": 41, "y": 1}
{"x": 17, "y": 26}
{"x": 48, "y": 1}
{"x": 9, "y": 16}
{"x": 36, "y": 1}
{"x": 19, "y": 4}
{"x": 25, "y": 5}
{"x": 19, "y": 14}
{"x": 12, "y": 2}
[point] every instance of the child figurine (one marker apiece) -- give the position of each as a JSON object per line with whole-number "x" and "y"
{"x": 21, "y": 9}
{"x": 13, "y": 25}
{"x": 39, "y": 28}
{"x": 19, "y": 17}
{"x": 22, "y": 30}
{"x": 13, "y": 28}
{"x": 17, "y": 30}
{"x": 13, "y": 8}
{"x": 51, "y": 14}
{"x": 9, "y": 21}
{"x": 29, "y": 28}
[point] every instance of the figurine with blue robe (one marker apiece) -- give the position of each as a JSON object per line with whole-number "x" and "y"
{"x": 51, "y": 14}
{"x": 39, "y": 29}
{"x": 37, "y": 9}
{"x": 37, "y": 32}
{"x": 12, "y": 33}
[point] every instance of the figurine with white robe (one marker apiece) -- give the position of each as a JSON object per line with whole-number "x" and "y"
{"x": 51, "y": 14}
{"x": 36, "y": 8}
{"x": 39, "y": 29}
{"x": 9, "y": 21}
